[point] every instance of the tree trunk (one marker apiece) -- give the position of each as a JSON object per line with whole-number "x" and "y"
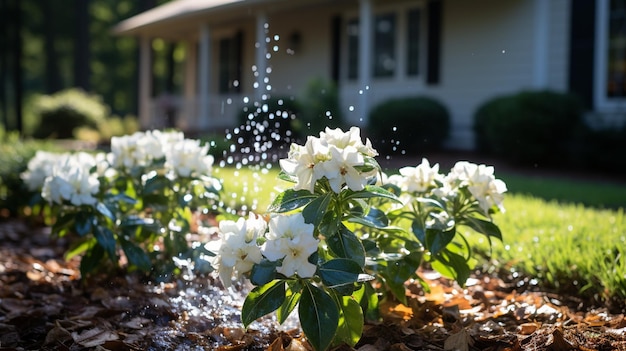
{"x": 17, "y": 68}
{"x": 53, "y": 79}
{"x": 81, "y": 45}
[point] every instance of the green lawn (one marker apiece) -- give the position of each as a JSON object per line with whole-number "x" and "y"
{"x": 568, "y": 235}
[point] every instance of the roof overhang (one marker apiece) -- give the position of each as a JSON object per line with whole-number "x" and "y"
{"x": 181, "y": 18}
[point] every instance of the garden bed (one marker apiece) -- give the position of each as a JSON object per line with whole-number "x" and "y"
{"x": 44, "y": 305}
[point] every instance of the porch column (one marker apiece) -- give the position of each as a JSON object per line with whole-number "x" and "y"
{"x": 145, "y": 81}
{"x": 365, "y": 57}
{"x": 204, "y": 78}
{"x": 260, "y": 60}
{"x": 542, "y": 44}
{"x": 189, "y": 109}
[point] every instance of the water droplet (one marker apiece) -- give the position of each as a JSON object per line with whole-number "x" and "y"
{"x": 504, "y": 51}
{"x": 275, "y": 48}
{"x": 351, "y": 108}
{"x": 276, "y": 37}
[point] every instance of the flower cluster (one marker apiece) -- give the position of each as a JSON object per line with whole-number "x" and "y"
{"x": 63, "y": 178}
{"x": 183, "y": 157}
{"x": 341, "y": 158}
{"x": 426, "y": 181}
{"x": 287, "y": 242}
{"x": 138, "y": 197}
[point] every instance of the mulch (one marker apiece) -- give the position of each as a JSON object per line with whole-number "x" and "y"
{"x": 45, "y": 305}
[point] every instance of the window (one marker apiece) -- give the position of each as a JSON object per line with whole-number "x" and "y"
{"x": 353, "y": 49}
{"x": 413, "y": 42}
{"x": 387, "y": 31}
{"x": 616, "y": 50}
{"x": 230, "y": 64}
{"x": 384, "y": 45}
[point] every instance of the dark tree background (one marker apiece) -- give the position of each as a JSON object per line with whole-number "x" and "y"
{"x": 51, "y": 45}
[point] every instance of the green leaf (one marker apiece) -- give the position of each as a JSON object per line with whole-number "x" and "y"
{"x": 482, "y": 226}
{"x": 437, "y": 240}
{"x": 262, "y": 300}
{"x": 351, "y": 321}
{"x": 79, "y": 248}
{"x": 315, "y": 211}
{"x": 122, "y": 197}
{"x": 452, "y": 265}
{"x": 345, "y": 244}
{"x": 136, "y": 256}
{"x": 292, "y": 297}
{"x": 91, "y": 259}
{"x": 263, "y": 272}
{"x": 106, "y": 239}
{"x": 371, "y": 191}
{"x": 286, "y": 177}
{"x": 156, "y": 184}
{"x": 399, "y": 271}
{"x": 339, "y": 272}
{"x": 290, "y": 200}
{"x": 63, "y": 223}
{"x": 83, "y": 223}
{"x": 319, "y": 316}
{"x": 105, "y": 211}
{"x": 375, "y": 218}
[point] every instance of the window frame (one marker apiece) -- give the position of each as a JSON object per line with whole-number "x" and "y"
{"x": 401, "y": 47}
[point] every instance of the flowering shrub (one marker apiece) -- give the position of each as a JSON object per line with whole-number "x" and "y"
{"x": 138, "y": 199}
{"x": 344, "y": 223}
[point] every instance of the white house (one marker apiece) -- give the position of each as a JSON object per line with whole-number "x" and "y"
{"x": 460, "y": 52}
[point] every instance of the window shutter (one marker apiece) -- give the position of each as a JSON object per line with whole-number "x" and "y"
{"x": 581, "y": 49}
{"x": 433, "y": 56}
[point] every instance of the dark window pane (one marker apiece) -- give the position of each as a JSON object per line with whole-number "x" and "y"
{"x": 230, "y": 62}
{"x": 384, "y": 45}
{"x": 413, "y": 27}
{"x": 353, "y": 49}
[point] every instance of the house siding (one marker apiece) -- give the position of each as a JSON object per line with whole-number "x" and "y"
{"x": 480, "y": 63}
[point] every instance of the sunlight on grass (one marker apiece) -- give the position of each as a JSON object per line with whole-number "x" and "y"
{"x": 248, "y": 188}
{"x": 566, "y": 247}
{"x": 588, "y": 193}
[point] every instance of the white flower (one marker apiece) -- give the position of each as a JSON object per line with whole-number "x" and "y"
{"x": 486, "y": 188}
{"x": 420, "y": 178}
{"x": 291, "y": 239}
{"x": 142, "y": 148}
{"x": 340, "y": 169}
{"x": 39, "y": 167}
{"x": 70, "y": 180}
{"x": 480, "y": 181}
{"x": 341, "y": 140}
{"x": 304, "y": 162}
{"x": 239, "y": 251}
{"x": 186, "y": 157}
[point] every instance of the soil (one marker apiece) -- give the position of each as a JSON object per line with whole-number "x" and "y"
{"x": 45, "y": 305}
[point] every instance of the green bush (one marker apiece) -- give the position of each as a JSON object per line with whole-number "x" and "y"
{"x": 14, "y": 156}
{"x": 61, "y": 113}
{"x": 320, "y": 108}
{"x": 529, "y": 127}
{"x": 108, "y": 128}
{"x": 273, "y": 120}
{"x": 411, "y": 124}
